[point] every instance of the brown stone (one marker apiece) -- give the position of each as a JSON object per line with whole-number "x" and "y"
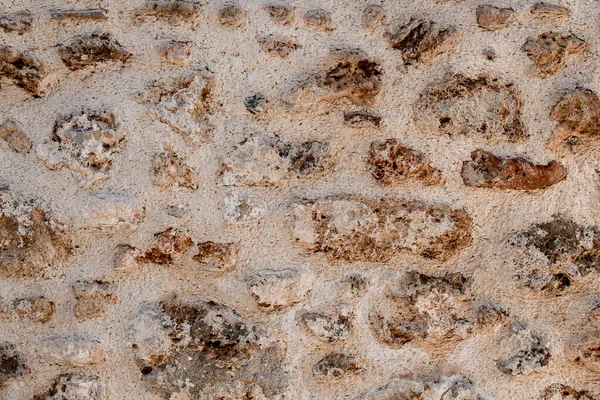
{"x": 278, "y": 45}
{"x": 493, "y": 18}
{"x": 489, "y": 171}
{"x": 550, "y": 11}
{"x": 354, "y": 229}
{"x": 89, "y": 14}
{"x": 336, "y": 365}
{"x": 578, "y": 112}
{"x": 425, "y": 310}
{"x": 549, "y": 51}
{"x": 176, "y": 52}
{"x": 171, "y": 172}
{"x": 216, "y": 256}
{"x": 167, "y": 244}
{"x": 23, "y": 68}
{"x": 421, "y": 40}
{"x": 232, "y": 15}
{"x": 172, "y": 11}
{"x": 280, "y": 14}
{"x": 559, "y": 391}
{"x": 36, "y": 309}
{"x": 319, "y": 19}
{"x": 352, "y": 75}
{"x": 480, "y": 106}
{"x": 391, "y": 162}
{"x": 18, "y": 22}
{"x": 13, "y": 133}
{"x": 372, "y": 16}
{"x": 93, "y": 299}
{"x": 91, "y": 49}
{"x": 30, "y": 240}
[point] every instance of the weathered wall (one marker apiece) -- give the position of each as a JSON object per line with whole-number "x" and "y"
{"x": 299, "y": 200}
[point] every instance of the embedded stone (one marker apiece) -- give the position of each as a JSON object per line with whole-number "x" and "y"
{"x": 30, "y": 239}
{"x": 17, "y": 22}
{"x": 550, "y": 51}
{"x": 25, "y": 70}
{"x": 489, "y": 171}
{"x": 36, "y": 309}
{"x": 93, "y": 299}
{"x": 216, "y": 256}
{"x": 73, "y": 351}
{"x": 85, "y": 142}
{"x": 550, "y": 11}
{"x": 479, "y": 106}
{"x": 92, "y": 49}
{"x": 86, "y": 14}
{"x": 171, "y": 11}
{"x": 277, "y": 289}
{"x": 170, "y": 171}
{"x": 391, "y": 163}
{"x": 13, "y": 133}
{"x": 421, "y": 40}
{"x": 262, "y": 160}
{"x": 354, "y": 229}
{"x": 493, "y": 18}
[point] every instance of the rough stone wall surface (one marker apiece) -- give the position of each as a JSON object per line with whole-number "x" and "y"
{"x": 299, "y": 199}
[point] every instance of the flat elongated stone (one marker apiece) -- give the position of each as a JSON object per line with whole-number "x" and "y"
{"x": 354, "y": 229}
{"x": 489, "y": 171}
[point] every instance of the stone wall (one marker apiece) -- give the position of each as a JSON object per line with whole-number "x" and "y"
{"x": 307, "y": 199}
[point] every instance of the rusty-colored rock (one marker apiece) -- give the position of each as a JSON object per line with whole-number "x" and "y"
{"x": 489, "y": 171}
{"x": 391, "y": 162}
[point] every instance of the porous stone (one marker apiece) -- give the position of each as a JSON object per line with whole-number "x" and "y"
{"x": 336, "y": 365}
{"x": 552, "y": 256}
{"x": 92, "y": 49}
{"x": 184, "y": 104}
{"x": 277, "y": 289}
{"x": 241, "y": 208}
{"x": 390, "y": 162}
{"x": 372, "y": 16}
{"x": 489, "y": 171}
{"x": 480, "y": 106}
{"x": 354, "y": 229}
{"x": 550, "y": 51}
{"x": 281, "y": 14}
{"x": 112, "y": 211}
{"x": 36, "y": 309}
{"x": 176, "y": 51}
{"x": 261, "y": 160}
{"x": 427, "y": 311}
{"x": 203, "y": 348}
{"x": 73, "y": 386}
{"x": 85, "y": 142}
{"x": 420, "y": 40}
{"x": 219, "y": 257}
{"x": 549, "y": 11}
{"x": 278, "y": 45}
{"x": 30, "y": 239}
{"x": 171, "y": 11}
{"x": 318, "y": 19}
{"x": 170, "y": 171}
{"x": 12, "y": 364}
{"x": 232, "y": 15}
{"x": 25, "y": 70}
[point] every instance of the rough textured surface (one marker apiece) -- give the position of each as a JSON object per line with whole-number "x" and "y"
{"x": 487, "y": 170}
{"x": 299, "y": 200}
